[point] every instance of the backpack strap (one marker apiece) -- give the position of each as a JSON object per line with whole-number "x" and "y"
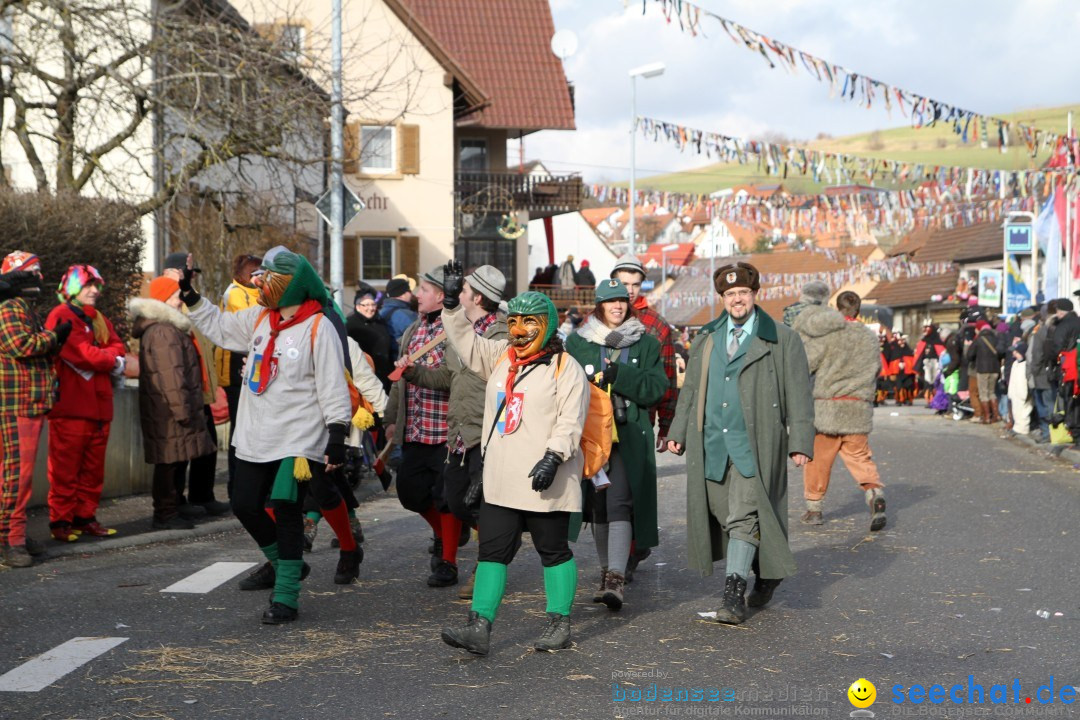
{"x": 315, "y": 329}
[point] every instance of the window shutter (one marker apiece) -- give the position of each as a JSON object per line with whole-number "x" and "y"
{"x": 351, "y": 166}
{"x": 351, "y": 250}
{"x": 408, "y": 255}
{"x": 410, "y": 149}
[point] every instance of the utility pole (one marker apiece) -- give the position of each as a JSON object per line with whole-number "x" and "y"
{"x": 337, "y": 159}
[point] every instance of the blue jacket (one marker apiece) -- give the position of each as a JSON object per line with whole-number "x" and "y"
{"x": 398, "y": 315}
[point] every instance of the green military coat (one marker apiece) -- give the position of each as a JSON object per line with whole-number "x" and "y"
{"x": 774, "y": 387}
{"x": 643, "y": 382}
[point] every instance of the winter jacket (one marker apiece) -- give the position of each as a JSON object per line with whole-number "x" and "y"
{"x": 584, "y": 278}
{"x": 1038, "y": 377}
{"x": 985, "y": 352}
{"x": 84, "y": 366}
{"x": 398, "y": 315}
{"x": 230, "y": 365}
{"x": 374, "y": 338}
{"x": 27, "y": 387}
{"x": 554, "y": 407}
{"x": 843, "y": 357}
{"x": 1066, "y": 333}
{"x": 170, "y": 384}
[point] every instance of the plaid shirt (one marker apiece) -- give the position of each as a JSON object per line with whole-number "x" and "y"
{"x": 27, "y": 380}
{"x": 425, "y": 410}
{"x": 480, "y": 326}
{"x": 659, "y": 328}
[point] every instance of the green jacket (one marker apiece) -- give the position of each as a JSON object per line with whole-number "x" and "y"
{"x": 774, "y": 385}
{"x": 642, "y": 381}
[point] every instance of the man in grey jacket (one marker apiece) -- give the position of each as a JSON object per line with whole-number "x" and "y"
{"x": 1038, "y": 365}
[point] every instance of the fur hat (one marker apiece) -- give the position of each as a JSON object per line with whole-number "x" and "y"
{"x": 738, "y": 274}
{"x": 815, "y": 292}
{"x": 163, "y": 288}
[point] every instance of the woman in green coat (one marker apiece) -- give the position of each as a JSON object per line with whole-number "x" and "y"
{"x": 620, "y": 357}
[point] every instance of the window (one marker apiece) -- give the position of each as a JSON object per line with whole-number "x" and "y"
{"x": 473, "y": 155}
{"x": 376, "y": 258}
{"x": 292, "y": 39}
{"x": 376, "y": 149}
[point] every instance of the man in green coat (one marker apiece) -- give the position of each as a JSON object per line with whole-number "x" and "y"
{"x": 745, "y": 407}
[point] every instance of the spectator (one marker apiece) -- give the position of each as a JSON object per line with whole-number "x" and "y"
{"x": 567, "y": 274}
{"x": 1066, "y": 329}
{"x": 368, "y": 329}
{"x": 984, "y": 354}
{"x": 397, "y": 311}
{"x": 79, "y": 421}
{"x": 584, "y": 276}
{"x": 1019, "y": 398}
{"x": 170, "y": 396}
{"x": 1038, "y": 372}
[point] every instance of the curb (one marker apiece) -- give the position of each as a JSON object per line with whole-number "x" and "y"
{"x": 1066, "y": 453}
{"x": 83, "y": 548}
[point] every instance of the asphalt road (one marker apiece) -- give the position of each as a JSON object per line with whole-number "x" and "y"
{"x": 982, "y": 535}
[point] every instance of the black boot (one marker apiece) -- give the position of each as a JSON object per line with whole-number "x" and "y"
{"x": 445, "y": 575}
{"x": 733, "y": 611}
{"x": 278, "y": 613}
{"x": 348, "y": 566}
{"x": 263, "y": 577}
{"x": 556, "y": 635}
{"x": 762, "y": 593}
{"x": 475, "y": 636}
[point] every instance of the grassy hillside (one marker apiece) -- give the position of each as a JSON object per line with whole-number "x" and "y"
{"x": 932, "y": 146}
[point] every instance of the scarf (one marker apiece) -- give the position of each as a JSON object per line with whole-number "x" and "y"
{"x": 623, "y": 336}
{"x": 96, "y": 321}
{"x": 641, "y": 303}
{"x": 268, "y": 367}
{"x": 516, "y": 363}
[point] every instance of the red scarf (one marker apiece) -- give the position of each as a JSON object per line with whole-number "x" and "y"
{"x": 269, "y": 365}
{"x": 641, "y": 303}
{"x": 516, "y": 363}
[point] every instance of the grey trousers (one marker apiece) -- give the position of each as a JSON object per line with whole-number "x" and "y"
{"x": 733, "y": 503}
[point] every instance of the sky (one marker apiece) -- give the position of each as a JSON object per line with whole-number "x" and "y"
{"x": 989, "y": 56}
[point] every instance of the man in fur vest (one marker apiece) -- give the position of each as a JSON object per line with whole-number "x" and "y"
{"x": 844, "y": 358}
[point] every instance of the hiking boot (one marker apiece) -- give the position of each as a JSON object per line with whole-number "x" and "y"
{"x": 188, "y": 511}
{"x": 474, "y": 636}
{"x": 348, "y": 566}
{"x": 436, "y": 557}
{"x": 34, "y": 547}
{"x": 173, "y": 523}
{"x": 215, "y": 508}
{"x": 357, "y": 533}
{"x": 311, "y": 529}
{"x": 63, "y": 532}
{"x": 264, "y": 577}
{"x": 598, "y": 596}
{"x": 444, "y": 575}
{"x": 465, "y": 591}
{"x": 733, "y": 609}
{"x": 613, "y": 591}
{"x": 279, "y": 613}
{"x": 556, "y": 635}
{"x": 16, "y": 556}
{"x": 875, "y": 499}
{"x": 91, "y": 527}
{"x": 631, "y": 564}
{"x": 762, "y": 593}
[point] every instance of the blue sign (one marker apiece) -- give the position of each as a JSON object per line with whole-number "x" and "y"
{"x": 1017, "y": 295}
{"x": 647, "y": 285}
{"x": 1018, "y": 238}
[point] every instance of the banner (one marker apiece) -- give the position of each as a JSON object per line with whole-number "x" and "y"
{"x": 989, "y": 288}
{"x": 1017, "y": 294}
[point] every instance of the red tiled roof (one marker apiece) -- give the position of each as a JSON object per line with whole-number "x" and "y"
{"x": 505, "y": 47}
{"x": 681, "y": 256}
{"x": 595, "y": 216}
{"x": 981, "y": 241}
{"x": 912, "y": 291}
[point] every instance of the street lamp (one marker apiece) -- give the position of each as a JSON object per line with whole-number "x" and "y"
{"x": 647, "y": 71}
{"x": 663, "y": 272}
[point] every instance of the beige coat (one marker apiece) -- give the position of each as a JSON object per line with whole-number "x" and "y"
{"x": 554, "y": 410}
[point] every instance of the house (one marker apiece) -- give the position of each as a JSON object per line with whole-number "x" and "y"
{"x": 445, "y": 85}
{"x": 572, "y": 234}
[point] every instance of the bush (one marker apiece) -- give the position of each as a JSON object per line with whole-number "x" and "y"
{"x": 67, "y": 230}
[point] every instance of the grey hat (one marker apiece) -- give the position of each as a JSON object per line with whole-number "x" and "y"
{"x": 629, "y": 263}
{"x": 177, "y": 261}
{"x": 488, "y": 281}
{"x": 435, "y": 277}
{"x": 816, "y": 292}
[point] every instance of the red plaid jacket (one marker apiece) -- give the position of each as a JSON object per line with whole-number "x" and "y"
{"x": 425, "y": 410}
{"x": 27, "y": 379}
{"x": 659, "y": 328}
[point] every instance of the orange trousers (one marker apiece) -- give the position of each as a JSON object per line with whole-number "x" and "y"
{"x": 854, "y": 450}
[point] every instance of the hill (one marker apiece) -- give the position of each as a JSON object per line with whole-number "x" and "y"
{"x": 931, "y": 146}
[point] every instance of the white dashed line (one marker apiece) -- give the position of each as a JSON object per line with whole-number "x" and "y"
{"x": 47, "y": 668}
{"x": 209, "y": 578}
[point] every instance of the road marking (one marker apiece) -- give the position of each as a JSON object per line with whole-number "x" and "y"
{"x": 47, "y": 668}
{"x": 209, "y": 577}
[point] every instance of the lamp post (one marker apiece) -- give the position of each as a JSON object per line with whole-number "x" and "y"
{"x": 663, "y": 272}
{"x": 646, "y": 71}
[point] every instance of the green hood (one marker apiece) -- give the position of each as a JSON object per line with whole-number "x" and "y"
{"x": 305, "y": 284}
{"x": 536, "y": 303}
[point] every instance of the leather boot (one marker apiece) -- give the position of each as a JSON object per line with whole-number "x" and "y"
{"x": 762, "y": 592}
{"x": 994, "y": 415}
{"x": 733, "y": 609}
{"x": 474, "y": 636}
{"x": 598, "y": 596}
{"x": 556, "y": 635}
{"x": 613, "y": 590}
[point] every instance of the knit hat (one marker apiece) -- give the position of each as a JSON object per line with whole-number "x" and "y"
{"x": 739, "y": 274}
{"x": 816, "y": 292}
{"x": 611, "y": 290}
{"x": 1020, "y": 347}
{"x": 629, "y": 263}
{"x": 535, "y": 303}
{"x": 487, "y": 281}
{"x": 1027, "y": 313}
{"x": 75, "y": 279}
{"x": 1064, "y": 304}
{"x": 163, "y": 288}
{"x": 435, "y": 277}
{"x": 177, "y": 261}
{"x": 20, "y": 260}
{"x": 397, "y": 287}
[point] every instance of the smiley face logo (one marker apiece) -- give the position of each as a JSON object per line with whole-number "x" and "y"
{"x": 862, "y": 693}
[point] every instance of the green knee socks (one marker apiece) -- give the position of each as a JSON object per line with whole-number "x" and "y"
{"x": 271, "y": 553}
{"x": 740, "y": 555}
{"x": 560, "y": 584}
{"x": 287, "y": 584}
{"x": 488, "y": 589}
{"x": 314, "y": 515}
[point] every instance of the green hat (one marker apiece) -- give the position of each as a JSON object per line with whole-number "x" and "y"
{"x": 536, "y": 303}
{"x": 611, "y": 290}
{"x": 305, "y": 285}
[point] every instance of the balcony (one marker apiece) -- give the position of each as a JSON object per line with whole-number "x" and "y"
{"x": 500, "y": 192}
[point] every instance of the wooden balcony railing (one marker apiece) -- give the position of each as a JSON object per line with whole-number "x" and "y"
{"x": 566, "y": 298}
{"x": 540, "y": 195}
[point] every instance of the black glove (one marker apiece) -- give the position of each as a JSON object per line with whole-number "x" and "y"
{"x": 18, "y": 283}
{"x": 187, "y": 292}
{"x": 610, "y": 373}
{"x": 543, "y": 472}
{"x": 453, "y": 282}
{"x": 335, "y": 446}
{"x": 62, "y": 330}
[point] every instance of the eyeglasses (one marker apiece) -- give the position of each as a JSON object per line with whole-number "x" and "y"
{"x": 738, "y": 293}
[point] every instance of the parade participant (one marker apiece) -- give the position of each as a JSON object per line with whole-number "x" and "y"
{"x": 813, "y": 294}
{"x": 536, "y": 402}
{"x": 928, "y": 354}
{"x": 631, "y": 273}
{"x": 417, "y": 417}
{"x": 480, "y": 297}
{"x": 744, "y": 410}
{"x": 292, "y": 421}
{"x": 621, "y": 358}
{"x": 170, "y": 396}
{"x": 985, "y": 354}
{"x": 26, "y": 377}
{"x": 843, "y": 358}
{"x": 240, "y": 295}
{"x": 79, "y": 422}
{"x": 905, "y": 371}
